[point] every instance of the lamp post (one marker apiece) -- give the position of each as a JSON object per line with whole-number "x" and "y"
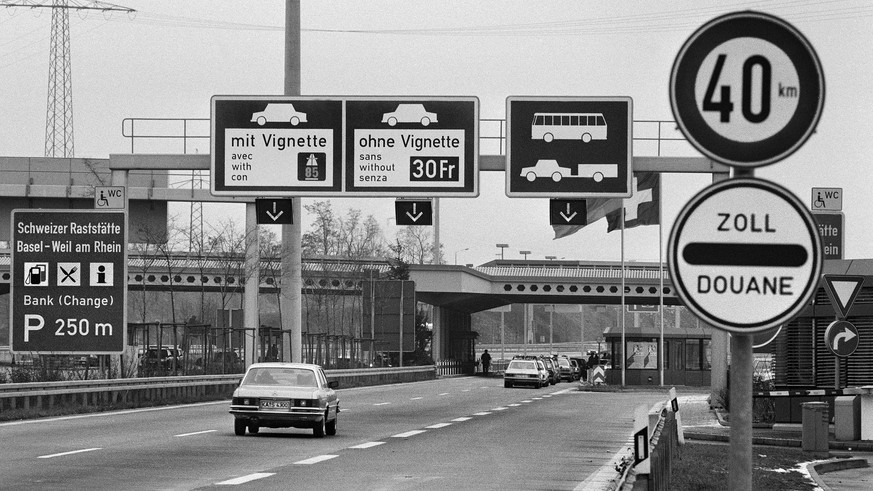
{"x": 456, "y": 254}
{"x": 502, "y": 246}
{"x": 525, "y": 254}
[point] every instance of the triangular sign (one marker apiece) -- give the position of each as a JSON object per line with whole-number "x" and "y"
{"x": 842, "y": 290}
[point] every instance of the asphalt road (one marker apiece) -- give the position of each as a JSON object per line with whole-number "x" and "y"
{"x": 456, "y": 433}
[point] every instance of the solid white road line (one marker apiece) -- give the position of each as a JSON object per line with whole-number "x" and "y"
{"x": 408, "y": 434}
{"x": 68, "y": 453}
{"x": 315, "y": 460}
{"x": 368, "y": 445}
{"x": 245, "y": 479}
{"x": 438, "y": 426}
{"x": 196, "y": 433}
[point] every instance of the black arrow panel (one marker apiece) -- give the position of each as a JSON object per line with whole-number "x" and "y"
{"x": 567, "y": 212}
{"x": 411, "y": 212}
{"x": 273, "y": 211}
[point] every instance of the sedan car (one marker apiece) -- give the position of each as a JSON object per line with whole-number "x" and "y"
{"x": 279, "y": 113}
{"x": 564, "y": 368}
{"x": 524, "y": 372}
{"x": 552, "y": 367}
{"x": 409, "y": 113}
{"x": 285, "y": 395}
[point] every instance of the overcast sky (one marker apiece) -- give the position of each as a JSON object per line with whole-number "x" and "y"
{"x": 171, "y": 57}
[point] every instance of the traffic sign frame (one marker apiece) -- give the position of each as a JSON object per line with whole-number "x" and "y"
{"x": 566, "y": 166}
{"x": 758, "y": 257}
{"x": 752, "y": 27}
{"x": 88, "y": 313}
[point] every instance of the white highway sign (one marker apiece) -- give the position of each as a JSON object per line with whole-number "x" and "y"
{"x": 745, "y": 255}
{"x": 747, "y": 89}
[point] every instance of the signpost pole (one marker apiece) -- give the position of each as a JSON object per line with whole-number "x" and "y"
{"x": 741, "y": 375}
{"x": 292, "y": 235}
{"x": 836, "y": 365}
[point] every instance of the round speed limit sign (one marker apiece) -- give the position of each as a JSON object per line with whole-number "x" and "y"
{"x": 747, "y": 89}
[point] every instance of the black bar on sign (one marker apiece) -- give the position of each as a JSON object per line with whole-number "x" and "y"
{"x": 721, "y": 254}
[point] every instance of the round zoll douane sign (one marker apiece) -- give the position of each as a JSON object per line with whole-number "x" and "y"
{"x": 745, "y": 255}
{"x": 747, "y": 89}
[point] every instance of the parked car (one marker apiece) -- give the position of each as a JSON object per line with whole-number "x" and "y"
{"x": 164, "y": 357}
{"x": 525, "y": 372}
{"x": 565, "y": 370}
{"x": 580, "y": 368}
{"x": 554, "y": 372}
{"x": 285, "y": 395}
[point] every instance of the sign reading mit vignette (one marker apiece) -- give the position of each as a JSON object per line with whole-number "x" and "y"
{"x": 276, "y": 146}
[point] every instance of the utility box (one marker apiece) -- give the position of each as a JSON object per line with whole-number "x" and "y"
{"x": 815, "y": 428}
{"x": 847, "y": 418}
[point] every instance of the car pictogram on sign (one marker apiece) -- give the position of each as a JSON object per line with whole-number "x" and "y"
{"x": 279, "y": 113}
{"x": 409, "y": 113}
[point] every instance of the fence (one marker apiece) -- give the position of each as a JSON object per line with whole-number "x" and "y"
{"x": 663, "y": 446}
{"x": 451, "y": 367}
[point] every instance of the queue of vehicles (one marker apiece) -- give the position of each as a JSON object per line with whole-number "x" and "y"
{"x": 540, "y": 371}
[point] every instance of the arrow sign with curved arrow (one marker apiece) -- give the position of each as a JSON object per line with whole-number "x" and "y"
{"x": 841, "y": 338}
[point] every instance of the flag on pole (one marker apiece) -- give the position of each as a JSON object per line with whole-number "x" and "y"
{"x": 640, "y": 209}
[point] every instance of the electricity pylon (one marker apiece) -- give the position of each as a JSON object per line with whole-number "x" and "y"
{"x": 59, "y": 111}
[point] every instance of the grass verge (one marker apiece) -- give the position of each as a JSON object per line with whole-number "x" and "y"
{"x": 704, "y": 466}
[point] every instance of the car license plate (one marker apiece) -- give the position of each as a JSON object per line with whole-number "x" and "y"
{"x": 275, "y": 404}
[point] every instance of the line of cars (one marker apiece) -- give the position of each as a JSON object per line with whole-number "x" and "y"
{"x": 540, "y": 371}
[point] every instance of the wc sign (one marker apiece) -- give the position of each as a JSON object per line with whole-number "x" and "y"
{"x": 108, "y": 197}
{"x": 827, "y": 199}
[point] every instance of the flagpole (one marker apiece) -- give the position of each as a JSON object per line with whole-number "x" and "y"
{"x": 661, "y": 276}
{"x": 621, "y": 308}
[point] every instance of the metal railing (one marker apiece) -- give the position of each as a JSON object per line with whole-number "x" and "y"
{"x": 492, "y": 133}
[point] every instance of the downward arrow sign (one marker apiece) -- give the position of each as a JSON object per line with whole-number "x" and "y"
{"x": 274, "y": 216}
{"x": 415, "y": 215}
{"x": 568, "y": 216}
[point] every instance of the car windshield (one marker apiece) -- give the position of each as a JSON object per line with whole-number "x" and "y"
{"x": 288, "y": 377}
{"x": 564, "y": 363}
{"x": 523, "y": 365}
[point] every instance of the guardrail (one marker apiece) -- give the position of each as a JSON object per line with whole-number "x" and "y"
{"x": 139, "y": 391}
{"x": 653, "y": 470}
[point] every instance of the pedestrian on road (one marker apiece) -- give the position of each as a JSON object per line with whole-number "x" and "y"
{"x": 486, "y": 362}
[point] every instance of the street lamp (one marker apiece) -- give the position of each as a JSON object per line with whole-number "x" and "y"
{"x": 551, "y": 258}
{"x": 456, "y": 254}
{"x": 524, "y": 253}
{"x": 502, "y": 246}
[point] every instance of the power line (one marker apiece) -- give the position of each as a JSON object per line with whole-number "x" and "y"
{"x": 59, "y": 110}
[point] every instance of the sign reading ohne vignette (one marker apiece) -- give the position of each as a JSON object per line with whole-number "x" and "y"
{"x": 745, "y": 255}
{"x": 69, "y": 281}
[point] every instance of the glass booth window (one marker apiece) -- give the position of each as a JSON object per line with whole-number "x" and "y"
{"x": 698, "y": 354}
{"x": 642, "y": 354}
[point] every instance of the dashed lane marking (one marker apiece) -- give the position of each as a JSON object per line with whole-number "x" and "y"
{"x": 62, "y": 454}
{"x": 462, "y": 419}
{"x": 438, "y": 426}
{"x": 196, "y": 433}
{"x": 500, "y": 409}
{"x": 367, "y": 445}
{"x": 245, "y": 479}
{"x": 483, "y": 413}
{"x": 444, "y": 394}
{"x": 416, "y": 398}
{"x": 409, "y": 434}
{"x": 381, "y": 403}
{"x": 315, "y": 460}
